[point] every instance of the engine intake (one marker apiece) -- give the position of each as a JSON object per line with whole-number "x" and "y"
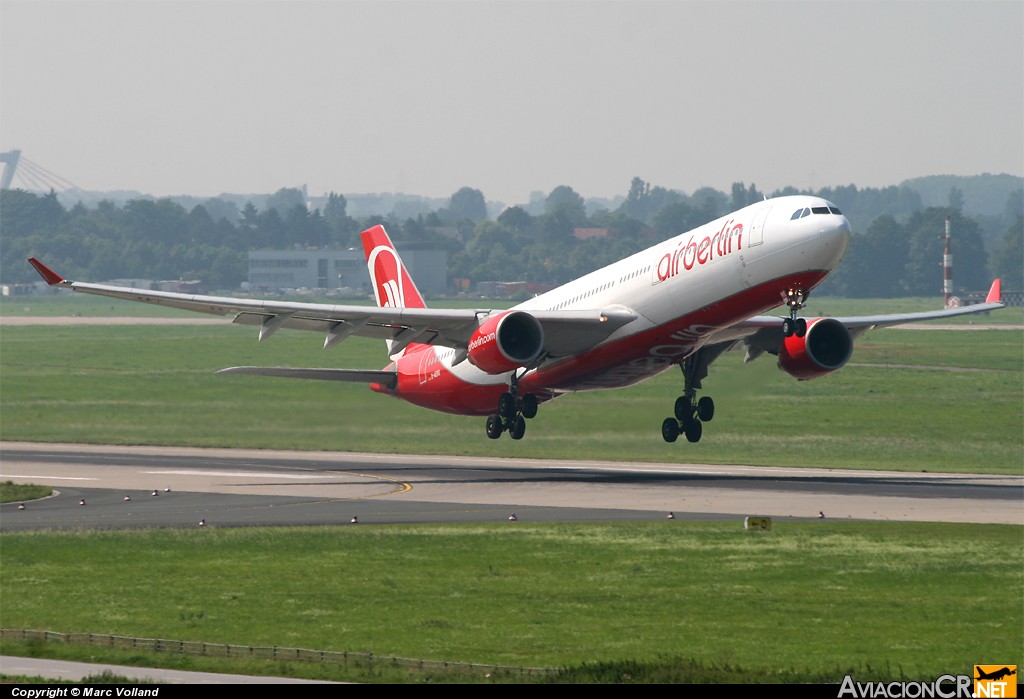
{"x": 506, "y": 341}
{"x": 827, "y": 346}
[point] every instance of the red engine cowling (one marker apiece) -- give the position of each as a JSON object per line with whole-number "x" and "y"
{"x": 827, "y": 346}
{"x": 506, "y": 341}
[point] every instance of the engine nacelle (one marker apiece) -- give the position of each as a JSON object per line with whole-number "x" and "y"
{"x": 506, "y": 341}
{"x": 827, "y": 346}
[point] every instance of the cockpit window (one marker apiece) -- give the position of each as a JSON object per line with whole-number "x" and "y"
{"x": 800, "y": 213}
{"x": 820, "y": 209}
{"x": 836, "y": 211}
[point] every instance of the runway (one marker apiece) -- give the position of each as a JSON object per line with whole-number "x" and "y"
{"x": 228, "y": 487}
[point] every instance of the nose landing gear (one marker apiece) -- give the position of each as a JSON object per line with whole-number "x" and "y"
{"x": 796, "y": 299}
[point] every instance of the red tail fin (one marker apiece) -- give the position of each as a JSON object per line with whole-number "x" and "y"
{"x": 392, "y": 284}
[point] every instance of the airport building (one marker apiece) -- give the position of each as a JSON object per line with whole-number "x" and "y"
{"x": 277, "y": 270}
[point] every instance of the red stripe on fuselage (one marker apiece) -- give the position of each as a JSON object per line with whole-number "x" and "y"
{"x": 628, "y": 360}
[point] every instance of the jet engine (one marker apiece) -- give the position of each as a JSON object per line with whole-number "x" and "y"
{"x": 505, "y": 342}
{"x": 825, "y": 347}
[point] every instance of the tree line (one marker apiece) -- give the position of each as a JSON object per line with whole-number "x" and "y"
{"x": 897, "y": 253}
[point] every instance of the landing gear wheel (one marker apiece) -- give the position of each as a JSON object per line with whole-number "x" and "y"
{"x": 694, "y": 430}
{"x": 801, "y": 327}
{"x": 507, "y": 406}
{"x": 788, "y": 327}
{"x": 706, "y": 408}
{"x": 529, "y": 406}
{"x": 683, "y": 409}
{"x": 518, "y": 428}
{"x": 670, "y": 430}
{"x": 494, "y": 426}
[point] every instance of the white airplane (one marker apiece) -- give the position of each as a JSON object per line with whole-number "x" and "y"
{"x": 680, "y": 303}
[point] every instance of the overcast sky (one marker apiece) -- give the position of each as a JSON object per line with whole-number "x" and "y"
{"x": 425, "y": 97}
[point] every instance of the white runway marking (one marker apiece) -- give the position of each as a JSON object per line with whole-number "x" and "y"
{"x": 56, "y": 478}
{"x": 239, "y": 474}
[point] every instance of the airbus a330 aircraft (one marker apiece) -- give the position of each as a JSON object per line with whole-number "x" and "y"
{"x": 680, "y": 303}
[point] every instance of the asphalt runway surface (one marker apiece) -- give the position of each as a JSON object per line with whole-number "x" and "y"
{"x": 227, "y": 487}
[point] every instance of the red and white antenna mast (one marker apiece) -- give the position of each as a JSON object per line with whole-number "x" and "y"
{"x": 947, "y": 271}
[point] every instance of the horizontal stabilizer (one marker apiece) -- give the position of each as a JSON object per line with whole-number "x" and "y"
{"x": 387, "y": 378}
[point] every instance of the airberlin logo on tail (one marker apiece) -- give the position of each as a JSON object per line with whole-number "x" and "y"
{"x": 693, "y": 253}
{"x": 387, "y": 277}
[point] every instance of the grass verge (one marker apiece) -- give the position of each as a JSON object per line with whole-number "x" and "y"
{"x": 806, "y": 598}
{"x": 17, "y": 492}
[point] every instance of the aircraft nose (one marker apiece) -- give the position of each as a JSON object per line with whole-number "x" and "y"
{"x": 836, "y": 237}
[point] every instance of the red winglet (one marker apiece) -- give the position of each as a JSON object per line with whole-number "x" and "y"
{"x": 995, "y": 294}
{"x": 48, "y": 275}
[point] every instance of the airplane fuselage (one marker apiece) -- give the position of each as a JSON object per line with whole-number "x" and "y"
{"x": 683, "y": 291}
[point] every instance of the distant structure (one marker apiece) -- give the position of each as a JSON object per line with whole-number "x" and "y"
{"x": 35, "y": 177}
{"x": 10, "y": 161}
{"x": 277, "y": 270}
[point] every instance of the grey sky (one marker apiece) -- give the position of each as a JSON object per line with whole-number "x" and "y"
{"x": 508, "y": 97}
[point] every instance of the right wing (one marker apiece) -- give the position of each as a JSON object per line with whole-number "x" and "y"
{"x": 337, "y": 322}
{"x": 566, "y": 332}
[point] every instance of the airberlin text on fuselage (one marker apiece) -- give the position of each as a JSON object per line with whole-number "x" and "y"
{"x": 692, "y": 253}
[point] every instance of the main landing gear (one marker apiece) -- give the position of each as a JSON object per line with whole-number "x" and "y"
{"x": 690, "y": 414}
{"x": 795, "y": 299}
{"x": 513, "y": 412}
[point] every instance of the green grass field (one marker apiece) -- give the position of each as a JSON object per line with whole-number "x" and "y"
{"x": 913, "y": 600}
{"x": 961, "y": 410}
{"x": 808, "y": 600}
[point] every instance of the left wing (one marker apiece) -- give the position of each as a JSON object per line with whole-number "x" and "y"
{"x": 764, "y": 333}
{"x": 761, "y": 334}
{"x": 565, "y": 332}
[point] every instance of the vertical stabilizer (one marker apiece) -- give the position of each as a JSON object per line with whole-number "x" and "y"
{"x": 392, "y": 285}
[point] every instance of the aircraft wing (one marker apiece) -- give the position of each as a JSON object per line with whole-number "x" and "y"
{"x": 566, "y": 332}
{"x": 570, "y": 332}
{"x": 764, "y": 333}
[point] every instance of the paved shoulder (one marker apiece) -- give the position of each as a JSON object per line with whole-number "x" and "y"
{"x": 74, "y": 672}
